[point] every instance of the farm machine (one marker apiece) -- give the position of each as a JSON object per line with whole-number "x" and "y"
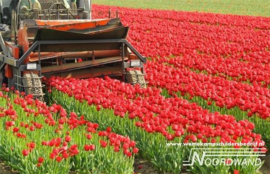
{"x": 44, "y": 38}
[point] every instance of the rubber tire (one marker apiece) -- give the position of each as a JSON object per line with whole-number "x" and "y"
{"x": 136, "y": 77}
{"x": 32, "y": 80}
{"x": 4, "y": 79}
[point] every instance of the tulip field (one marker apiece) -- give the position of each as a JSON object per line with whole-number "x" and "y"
{"x": 36, "y": 138}
{"x": 208, "y": 81}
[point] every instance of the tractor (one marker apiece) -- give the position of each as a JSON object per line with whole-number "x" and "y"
{"x": 44, "y": 38}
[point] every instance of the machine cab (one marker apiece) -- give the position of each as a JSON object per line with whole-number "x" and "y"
{"x": 44, "y": 9}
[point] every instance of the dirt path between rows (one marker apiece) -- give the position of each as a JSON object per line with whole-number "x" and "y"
{"x": 141, "y": 167}
{"x": 265, "y": 169}
{"x": 5, "y": 169}
{"x": 144, "y": 167}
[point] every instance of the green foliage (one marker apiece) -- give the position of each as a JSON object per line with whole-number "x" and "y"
{"x": 239, "y": 7}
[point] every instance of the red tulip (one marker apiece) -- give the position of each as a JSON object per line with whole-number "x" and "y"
{"x": 103, "y": 143}
{"x": 67, "y": 138}
{"x": 40, "y": 160}
{"x": 135, "y": 150}
{"x": 15, "y": 129}
{"x": 25, "y": 152}
{"x": 86, "y": 147}
{"x": 58, "y": 158}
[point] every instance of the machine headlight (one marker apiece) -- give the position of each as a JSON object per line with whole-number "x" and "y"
{"x": 135, "y": 63}
{"x": 31, "y": 66}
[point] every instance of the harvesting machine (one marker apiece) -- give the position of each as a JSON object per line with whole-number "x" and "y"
{"x": 43, "y": 38}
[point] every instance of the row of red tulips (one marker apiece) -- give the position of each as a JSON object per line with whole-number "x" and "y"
{"x": 95, "y": 104}
{"x": 217, "y": 94}
{"x": 159, "y": 39}
{"x": 36, "y": 138}
{"x": 151, "y": 119}
{"x": 253, "y": 99}
{"x": 228, "y": 68}
{"x": 232, "y": 47}
{"x": 165, "y": 33}
{"x": 222, "y": 45}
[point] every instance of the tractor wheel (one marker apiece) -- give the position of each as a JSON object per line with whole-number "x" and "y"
{"x": 4, "y": 79}
{"x": 32, "y": 85}
{"x": 136, "y": 77}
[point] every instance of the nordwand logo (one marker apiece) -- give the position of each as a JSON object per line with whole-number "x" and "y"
{"x": 224, "y": 156}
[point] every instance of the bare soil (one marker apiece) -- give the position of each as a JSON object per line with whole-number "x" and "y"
{"x": 265, "y": 169}
{"x": 5, "y": 169}
{"x": 142, "y": 166}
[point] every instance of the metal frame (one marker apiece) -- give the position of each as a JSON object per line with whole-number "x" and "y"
{"x": 17, "y": 62}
